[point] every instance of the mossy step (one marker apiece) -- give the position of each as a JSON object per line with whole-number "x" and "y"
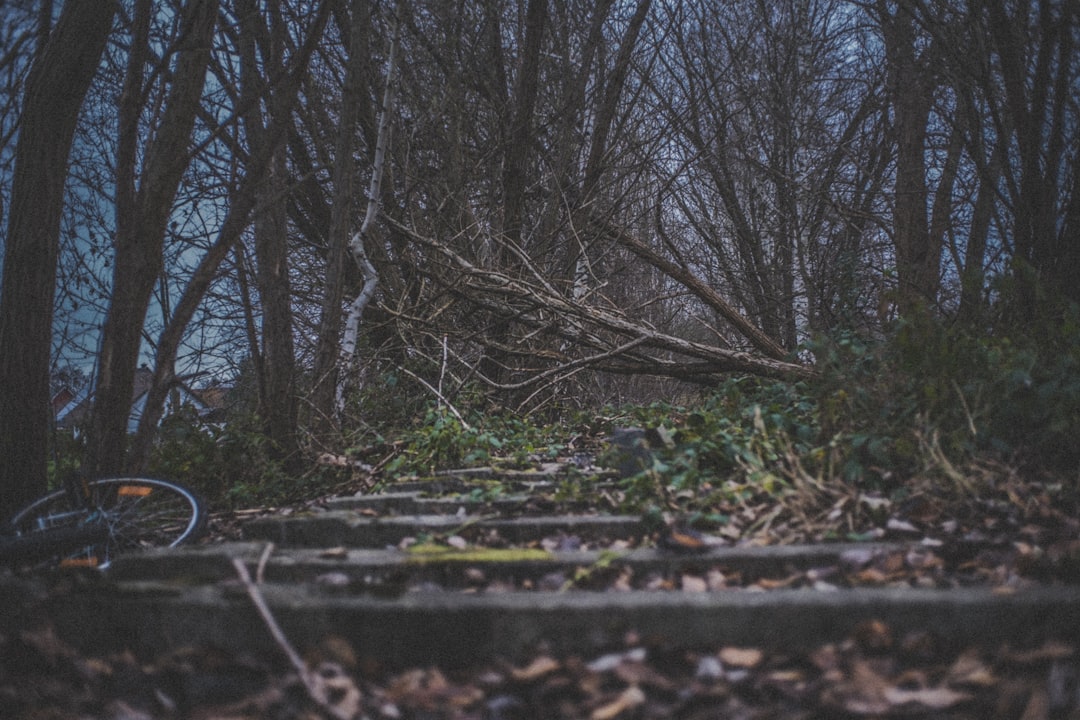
{"x": 514, "y": 481}
{"x": 463, "y": 485}
{"x": 415, "y": 503}
{"x": 213, "y": 563}
{"x": 336, "y": 527}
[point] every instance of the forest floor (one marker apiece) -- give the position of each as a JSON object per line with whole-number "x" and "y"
{"x": 1023, "y": 535}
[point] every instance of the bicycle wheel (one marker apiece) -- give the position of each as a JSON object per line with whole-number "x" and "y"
{"x": 139, "y": 513}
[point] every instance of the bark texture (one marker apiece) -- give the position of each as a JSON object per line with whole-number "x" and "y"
{"x": 55, "y": 89}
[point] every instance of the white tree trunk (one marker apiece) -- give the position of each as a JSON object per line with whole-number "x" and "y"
{"x": 356, "y": 244}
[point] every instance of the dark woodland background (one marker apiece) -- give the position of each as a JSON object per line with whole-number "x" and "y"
{"x": 344, "y": 216}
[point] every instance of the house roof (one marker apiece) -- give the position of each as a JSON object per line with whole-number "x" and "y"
{"x": 78, "y": 406}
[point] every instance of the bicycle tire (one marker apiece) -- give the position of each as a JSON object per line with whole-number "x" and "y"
{"x": 139, "y": 512}
{"x": 42, "y": 545}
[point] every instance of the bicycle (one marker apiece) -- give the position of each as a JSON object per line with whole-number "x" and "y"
{"x": 89, "y": 521}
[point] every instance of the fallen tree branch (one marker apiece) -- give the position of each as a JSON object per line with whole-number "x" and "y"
{"x": 533, "y": 301}
{"x": 693, "y": 283}
{"x": 316, "y": 688}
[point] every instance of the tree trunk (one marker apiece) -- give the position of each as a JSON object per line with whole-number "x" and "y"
{"x": 278, "y": 408}
{"x": 910, "y": 92}
{"x": 140, "y": 237}
{"x": 327, "y": 350}
{"x": 278, "y": 399}
{"x": 519, "y": 142}
{"x": 55, "y": 88}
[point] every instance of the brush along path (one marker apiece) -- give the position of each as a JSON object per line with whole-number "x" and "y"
{"x": 465, "y": 568}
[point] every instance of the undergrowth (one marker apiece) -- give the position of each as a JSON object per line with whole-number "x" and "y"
{"x": 932, "y": 407}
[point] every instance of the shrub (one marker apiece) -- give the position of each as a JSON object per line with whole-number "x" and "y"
{"x": 1007, "y": 396}
{"x": 229, "y": 464}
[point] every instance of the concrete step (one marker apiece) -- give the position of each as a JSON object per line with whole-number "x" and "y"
{"x": 458, "y": 629}
{"x": 213, "y": 563}
{"x": 340, "y": 527}
{"x": 341, "y": 570}
{"x": 416, "y": 503}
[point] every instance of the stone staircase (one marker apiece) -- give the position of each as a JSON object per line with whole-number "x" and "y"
{"x": 442, "y": 572}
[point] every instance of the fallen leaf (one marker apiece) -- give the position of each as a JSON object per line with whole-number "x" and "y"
{"x": 892, "y": 563}
{"x": 334, "y": 553}
{"x": 709, "y": 669}
{"x": 772, "y": 584}
{"x": 538, "y": 668}
{"x": 628, "y": 699}
{"x": 870, "y": 576}
{"x": 333, "y": 648}
{"x": 932, "y": 698}
{"x": 1038, "y": 706}
{"x": 639, "y": 673}
{"x": 606, "y": 663}
{"x": 786, "y": 676}
{"x": 694, "y": 584}
{"x": 335, "y": 690}
{"x": 716, "y": 580}
{"x": 873, "y": 636}
{"x": 969, "y": 669}
{"x": 903, "y": 526}
{"x": 826, "y": 657}
{"x": 741, "y": 657}
{"x": 863, "y": 693}
{"x": 1050, "y": 650}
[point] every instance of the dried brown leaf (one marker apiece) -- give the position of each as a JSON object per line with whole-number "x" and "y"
{"x": 873, "y": 636}
{"x": 741, "y": 657}
{"x": 862, "y": 693}
{"x": 335, "y": 690}
{"x": 1050, "y": 650}
{"x": 628, "y": 699}
{"x": 694, "y": 584}
{"x": 642, "y": 674}
{"x": 969, "y": 669}
{"x": 334, "y": 553}
{"x": 931, "y": 698}
{"x": 538, "y": 668}
{"x": 1038, "y": 706}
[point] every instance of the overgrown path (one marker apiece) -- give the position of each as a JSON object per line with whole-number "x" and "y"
{"x": 479, "y": 569}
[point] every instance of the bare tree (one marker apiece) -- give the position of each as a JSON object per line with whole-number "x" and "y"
{"x": 1032, "y": 97}
{"x": 1011, "y": 71}
{"x": 55, "y": 88}
{"x": 911, "y": 85}
{"x": 144, "y": 201}
{"x": 262, "y": 44}
{"x": 279, "y": 91}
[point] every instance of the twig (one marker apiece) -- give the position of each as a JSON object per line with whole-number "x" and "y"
{"x": 260, "y": 571}
{"x": 967, "y": 411}
{"x": 271, "y": 624}
{"x": 311, "y": 681}
{"x": 442, "y": 367}
{"x": 438, "y": 395}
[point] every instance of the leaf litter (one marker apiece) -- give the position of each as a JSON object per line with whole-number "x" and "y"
{"x": 1006, "y": 540}
{"x": 869, "y": 674}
